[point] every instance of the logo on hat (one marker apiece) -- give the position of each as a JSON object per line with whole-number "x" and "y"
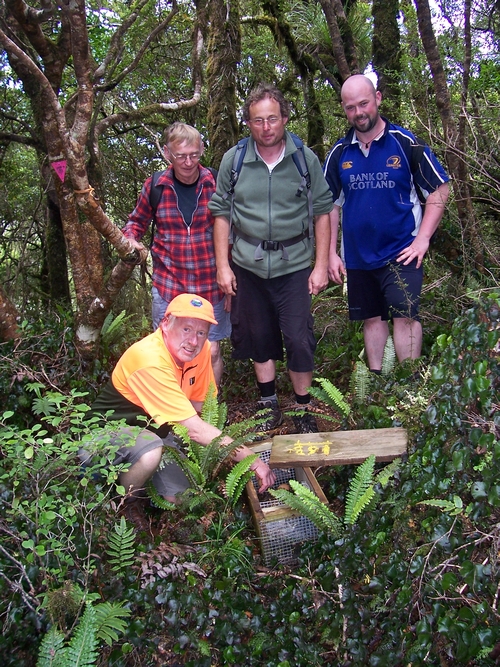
{"x": 196, "y": 303}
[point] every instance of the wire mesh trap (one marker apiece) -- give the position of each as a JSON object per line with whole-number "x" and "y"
{"x": 281, "y": 530}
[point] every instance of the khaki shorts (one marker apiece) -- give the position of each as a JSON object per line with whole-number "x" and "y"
{"x": 169, "y": 480}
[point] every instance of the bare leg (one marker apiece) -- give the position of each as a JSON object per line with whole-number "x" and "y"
{"x": 407, "y": 338}
{"x": 137, "y": 475}
{"x": 266, "y": 371}
{"x": 375, "y": 332}
{"x": 217, "y": 361}
{"x": 301, "y": 382}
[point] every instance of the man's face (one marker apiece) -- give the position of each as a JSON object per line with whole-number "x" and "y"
{"x": 185, "y": 338}
{"x": 267, "y": 125}
{"x": 185, "y": 159}
{"x": 361, "y": 105}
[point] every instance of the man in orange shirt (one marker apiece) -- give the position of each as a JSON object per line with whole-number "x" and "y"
{"x": 165, "y": 377}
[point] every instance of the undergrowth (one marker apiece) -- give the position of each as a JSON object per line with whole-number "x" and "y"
{"x": 414, "y": 580}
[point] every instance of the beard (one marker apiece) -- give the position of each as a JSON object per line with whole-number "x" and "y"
{"x": 365, "y": 124}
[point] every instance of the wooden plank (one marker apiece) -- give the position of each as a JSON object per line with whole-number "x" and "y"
{"x": 338, "y": 447}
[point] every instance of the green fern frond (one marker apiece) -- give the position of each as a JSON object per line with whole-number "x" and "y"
{"x": 389, "y": 358}
{"x": 189, "y": 466}
{"x": 51, "y": 647}
{"x": 330, "y": 395}
{"x": 386, "y": 473}
{"x": 82, "y": 649}
{"x": 360, "y": 491}
{"x": 304, "y": 501}
{"x": 112, "y": 324}
{"x": 110, "y": 621}
{"x": 238, "y": 477}
{"x": 452, "y": 508}
{"x": 361, "y": 381}
{"x": 181, "y": 432}
{"x": 156, "y": 499}
{"x": 121, "y": 547}
{"x": 210, "y": 411}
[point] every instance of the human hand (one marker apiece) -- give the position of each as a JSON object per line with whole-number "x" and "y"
{"x": 264, "y": 473}
{"x": 141, "y": 249}
{"x": 336, "y": 269}
{"x": 416, "y": 250}
{"x": 227, "y": 303}
{"x": 318, "y": 280}
{"x": 227, "y": 281}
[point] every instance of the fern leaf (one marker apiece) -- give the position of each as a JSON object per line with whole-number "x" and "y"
{"x": 452, "y": 508}
{"x": 386, "y": 473}
{"x": 121, "y": 548}
{"x": 238, "y": 477}
{"x": 332, "y": 396}
{"x": 304, "y": 501}
{"x": 82, "y": 649}
{"x": 389, "y": 358}
{"x": 110, "y": 621}
{"x": 156, "y": 499}
{"x": 361, "y": 381}
{"x": 210, "y": 409}
{"x": 360, "y": 490}
{"x": 189, "y": 466}
{"x": 51, "y": 649}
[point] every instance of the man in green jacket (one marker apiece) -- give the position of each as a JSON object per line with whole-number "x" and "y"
{"x": 270, "y": 276}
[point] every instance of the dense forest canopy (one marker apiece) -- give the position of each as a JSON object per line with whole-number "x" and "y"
{"x": 91, "y": 87}
{"x": 86, "y": 90}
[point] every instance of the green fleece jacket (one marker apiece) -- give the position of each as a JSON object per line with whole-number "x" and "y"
{"x": 266, "y": 207}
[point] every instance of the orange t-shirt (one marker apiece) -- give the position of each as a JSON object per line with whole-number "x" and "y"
{"x": 147, "y": 375}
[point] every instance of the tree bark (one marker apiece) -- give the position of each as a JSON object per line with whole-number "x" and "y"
{"x": 9, "y": 317}
{"x": 386, "y": 51}
{"x": 224, "y": 53}
{"x": 343, "y": 46}
{"x": 472, "y": 243}
{"x": 72, "y": 132}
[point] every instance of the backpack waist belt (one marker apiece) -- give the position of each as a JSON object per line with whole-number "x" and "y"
{"x": 262, "y": 244}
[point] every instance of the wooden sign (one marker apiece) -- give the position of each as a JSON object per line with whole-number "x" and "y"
{"x": 337, "y": 447}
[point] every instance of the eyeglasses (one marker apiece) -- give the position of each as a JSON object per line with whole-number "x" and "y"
{"x": 272, "y": 120}
{"x": 182, "y": 157}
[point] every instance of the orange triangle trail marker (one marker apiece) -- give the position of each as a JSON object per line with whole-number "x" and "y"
{"x": 60, "y": 168}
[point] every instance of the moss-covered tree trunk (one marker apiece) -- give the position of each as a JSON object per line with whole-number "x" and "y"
{"x": 386, "y": 53}
{"x": 472, "y": 243}
{"x": 224, "y": 53}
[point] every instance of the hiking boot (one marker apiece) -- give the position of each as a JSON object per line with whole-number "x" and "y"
{"x": 305, "y": 423}
{"x": 274, "y": 416}
{"x": 134, "y": 511}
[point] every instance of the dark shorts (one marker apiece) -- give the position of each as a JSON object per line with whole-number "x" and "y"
{"x": 388, "y": 292}
{"x": 265, "y": 314}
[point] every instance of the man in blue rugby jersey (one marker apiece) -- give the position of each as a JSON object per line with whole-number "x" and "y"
{"x": 378, "y": 174}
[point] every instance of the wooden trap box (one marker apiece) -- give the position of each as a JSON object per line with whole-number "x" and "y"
{"x": 280, "y": 529}
{"x": 338, "y": 447}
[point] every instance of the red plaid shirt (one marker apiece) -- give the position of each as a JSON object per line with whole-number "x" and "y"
{"x": 183, "y": 256}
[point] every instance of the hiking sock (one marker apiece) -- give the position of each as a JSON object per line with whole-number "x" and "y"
{"x": 302, "y": 399}
{"x": 267, "y": 390}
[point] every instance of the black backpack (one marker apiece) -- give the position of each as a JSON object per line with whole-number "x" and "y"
{"x": 301, "y": 164}
{"x": 156, "y": 192}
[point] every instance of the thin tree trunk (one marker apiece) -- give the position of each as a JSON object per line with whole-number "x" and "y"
{"x": 472, "y": 243}
{"x": 224, "y": 53}
{"x": 386, "y": 50}
{"x": 9, "y": 317}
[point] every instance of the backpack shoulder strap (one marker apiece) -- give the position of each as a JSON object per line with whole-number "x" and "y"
{"x": 241, "y": 149}
{"x": 305, "y": 182}
{"x": 156, "y": 191}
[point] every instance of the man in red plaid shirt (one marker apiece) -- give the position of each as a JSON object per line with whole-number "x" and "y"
{"x": 182, "y": 249}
